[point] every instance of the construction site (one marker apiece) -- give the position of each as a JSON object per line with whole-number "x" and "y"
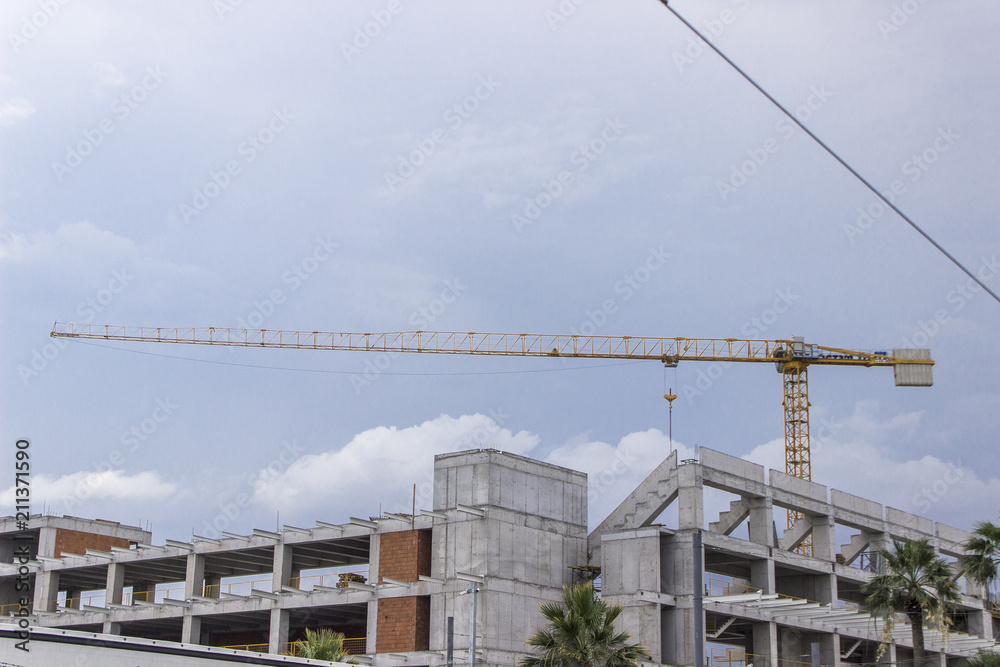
{"x": 514, "y": 530}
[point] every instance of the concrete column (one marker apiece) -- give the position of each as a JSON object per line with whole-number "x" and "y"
{"x": 829, "y": 650}
{"x": 889, "y": 657}
{"x": 46, "y": 590}
{"x": 191, "y": 629}
{"x": 765, "y": 643}
{"x": 761, "y": 521}
{"x": 72, "y": 598}
{"x": 981, "y": 623}
{"x": 282, "y": 570}
{"x": 878, "y": 541}
{"x": 47, "y": 542}
{"x": 824, "y": 541}
{"x": 677, "y": 574}
{"x": 762, "y": 576}
{"x": 194, "y": 576}
{"x": 371, "y": 635}
{"x": 278, "y": 636}
{"x": 111, "y": 628}
{"x": 690, "y": 498}
{"x": 373, "y": 552}
{"x": 116, "y": 582}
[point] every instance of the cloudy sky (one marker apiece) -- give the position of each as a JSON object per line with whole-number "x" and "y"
{"x": 550, "y": 167}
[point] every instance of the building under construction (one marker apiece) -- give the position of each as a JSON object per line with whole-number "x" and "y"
{"x": 515, "y": 530}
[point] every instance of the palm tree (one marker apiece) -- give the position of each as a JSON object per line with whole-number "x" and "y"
{"x": 322, "y": 644}
{"x": 581, "y": 633}
{"x": 983, "y": 658}
{"x": 916, "y": 581}
{"x": 983, "y": 558}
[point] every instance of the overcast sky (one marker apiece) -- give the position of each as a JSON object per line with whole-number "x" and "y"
{"x": 511, "y": 166}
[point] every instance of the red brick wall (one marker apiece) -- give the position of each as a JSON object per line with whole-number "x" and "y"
{"x": 76, "y": 542}
{"x": 404, "y": 555}
{"x": 404, "y": 624}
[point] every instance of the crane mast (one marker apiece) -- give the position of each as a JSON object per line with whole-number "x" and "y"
{"x": 792, "y": 357}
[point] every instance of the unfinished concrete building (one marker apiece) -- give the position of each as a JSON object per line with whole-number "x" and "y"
{"x": 516, "y": 529}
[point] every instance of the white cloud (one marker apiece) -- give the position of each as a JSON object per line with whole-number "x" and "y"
{"x": 379, "y": 465}
{"x": 75, "y": 244}
{"x": 110, "y": 75}
{"x": 67, "y": 494}
{"x": 15, "y": 110}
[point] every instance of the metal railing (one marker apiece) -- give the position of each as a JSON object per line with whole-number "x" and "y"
{"x": 215, "y": 590}
{"x": 736, "y": 658}
{"x": 337, "y": 579}
{"x": 352, "y": 646}
{"x": 721, "y": 587}
{"x": 13, "y": 608}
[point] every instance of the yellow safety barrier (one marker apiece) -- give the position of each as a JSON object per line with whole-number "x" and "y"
{"x": 215, "y": 590}
{"x": 256, "y": 648}
{"x": 736, "y": 658}
{"x": 339, "y": 579}
{"x": 720, "y": 587}
{"x": 352, "y": 646}
{"x": 13, "y": 608}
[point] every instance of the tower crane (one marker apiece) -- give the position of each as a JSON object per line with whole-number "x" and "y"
{"x": 792, "y": 358}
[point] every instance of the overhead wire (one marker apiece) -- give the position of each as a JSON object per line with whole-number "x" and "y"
{"x": 666, "y": 3}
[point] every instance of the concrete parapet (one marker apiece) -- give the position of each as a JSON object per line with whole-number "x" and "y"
{"x": 951, "y": 536}
{"x": 907, "y": 520}
{"x": 802, "y": 487}
{"x": 855, "y": 504}
{"x": 731, "y": 464}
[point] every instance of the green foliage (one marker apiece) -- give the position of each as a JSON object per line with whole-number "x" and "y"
{"x": 983, "y": 557}
{"x": 983, "y": 659}
{"x": 581, "y": 633}
{"x": 916, "y": 581}
{"x": 322, "y": 644}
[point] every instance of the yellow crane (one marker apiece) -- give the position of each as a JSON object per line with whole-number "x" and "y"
{"x": 911, "y": 367}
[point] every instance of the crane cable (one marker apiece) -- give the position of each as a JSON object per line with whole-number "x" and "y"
{"x": 829, "y": 150}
